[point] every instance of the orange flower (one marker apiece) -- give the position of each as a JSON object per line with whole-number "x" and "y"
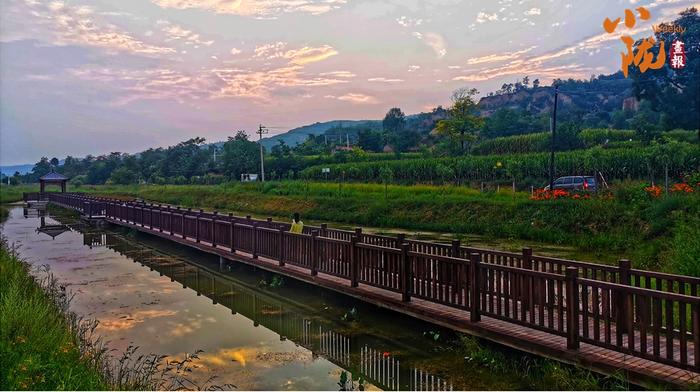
{"x": 653, "y": 191}
{"x": 681, "y": 187}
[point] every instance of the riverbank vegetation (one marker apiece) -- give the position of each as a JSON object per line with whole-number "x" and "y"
{"x": 46, "y": 346}
{"x": 42, "y": 345}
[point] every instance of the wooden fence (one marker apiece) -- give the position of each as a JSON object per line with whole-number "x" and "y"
{"x": 642, "y": 313}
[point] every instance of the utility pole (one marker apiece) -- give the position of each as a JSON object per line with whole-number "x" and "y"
{"x": 554, "y": 136}
{"x": 261, "y": 130}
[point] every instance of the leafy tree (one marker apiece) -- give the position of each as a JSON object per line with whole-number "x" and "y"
{"x": 675, "y": 92}
{"x": 123, "y": 176}
{"x": 240, "y": 156}
{"x": 393, "y": 123}
{"x": 464, "y": 124}
{"x": 370, "y": 140}
{"x": 54, "y": 162}
{"x": 386, "y": 175}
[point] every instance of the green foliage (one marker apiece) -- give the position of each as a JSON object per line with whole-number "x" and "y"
{"x": 38, "y": 348}
{"x": 241, "y": 156}
{"x": 463, "y": 125}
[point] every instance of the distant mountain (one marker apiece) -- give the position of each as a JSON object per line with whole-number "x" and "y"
{"x": 298, "y": 135}
{"x": 22, "y": 169}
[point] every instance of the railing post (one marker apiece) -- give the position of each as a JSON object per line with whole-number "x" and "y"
{"x": 281, "y": 247}
{"x": 314, "y": 253}
{"x": 526, "y": 279}
{"x": 324, "y": 229}
{"x": 696, "y": 333}
{"x": 405, "y": 273}
{"x": 255, "y": 240}
{"x": 400, "y": 240}
{"x": 622, "y": 312}
{"x": 454, "y": 250}
{"x": 150, "y": 217}
{"x": 232, "y": 222}
{"x": 160, "y": 218}
{"x": 572, "y": 302}
{"x": 354, "y": 262}
{"x": 358, "y": 233}
{"x": 182, "y": 224}
{"x": 213, "y": 229}
{"x": 474, "y": 273}
{"x": 196, "y": 227}
{"x": 170, "y": 219}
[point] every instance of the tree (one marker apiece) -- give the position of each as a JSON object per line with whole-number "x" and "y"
{"x": 463, "y": 125}
{"x": 123, "y": 176}
{"x": 240, "y": 156}
{"x": 536, "y": 83}
{"x": 386, "y": 175}
{"x": 393, "y": 122}
{"x": 370, "y": 140}
{"x": 54, "y": 162}
{"x": 670, "y": 91}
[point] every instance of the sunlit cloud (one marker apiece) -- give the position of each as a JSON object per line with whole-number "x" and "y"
{"x": 483, "y": 17}
{"x": 533, "y": 11}
{"x": 301, "y": 56}
{"x": 385, "y": 80}
{"x": 80, "y": 25}
{"x": 263, "y": 8}
{"x": 498, "y": 57}
{"x": 174, "y": 32}
{"x": 354, "y": 98}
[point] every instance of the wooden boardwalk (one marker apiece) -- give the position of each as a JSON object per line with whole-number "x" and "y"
{"x": 606, "y": 318}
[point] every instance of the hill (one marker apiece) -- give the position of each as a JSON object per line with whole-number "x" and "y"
{"x": 298, "y": 135}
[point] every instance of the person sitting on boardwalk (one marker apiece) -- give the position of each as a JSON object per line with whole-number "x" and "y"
{"x": 297, "y": 225}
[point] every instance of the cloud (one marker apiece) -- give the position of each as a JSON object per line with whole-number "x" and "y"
{"x": 498, "y": 57}
{"x": 300, "y": 56}
{"x": 533, "y": 11}
{"x": 354, "y": 98}
{"x": 437, "y": 43}
{"x": 235, "y": 51}
{"x": 80, "y": 25}
{"x": 385, "y": 80}
{"x": 413, "y": 68}
{"x": 308, "y": 54}
{"x": 257, "y": 8}
{"x": 483, "y": 17}
{"x": 338, "y": 74}
{"x": 409, "y": 22}
{"x": 174, "y": 32}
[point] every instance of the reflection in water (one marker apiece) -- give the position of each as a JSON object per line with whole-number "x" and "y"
{"x": 290, "y": 337}
{"x": 355, "y": 353}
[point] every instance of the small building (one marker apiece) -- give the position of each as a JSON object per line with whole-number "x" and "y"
{"x": 249, "y": 177}
{"x": 52, "y": 178}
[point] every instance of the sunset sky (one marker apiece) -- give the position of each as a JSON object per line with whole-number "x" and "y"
{"x": 91, "y": 77}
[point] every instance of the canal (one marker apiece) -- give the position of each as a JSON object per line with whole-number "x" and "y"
{"x": 256, "y": 330}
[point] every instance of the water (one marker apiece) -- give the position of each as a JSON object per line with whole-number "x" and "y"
{"x": 256, "y": 332}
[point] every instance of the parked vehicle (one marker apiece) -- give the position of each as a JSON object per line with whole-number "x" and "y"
{"x": 575, "y": 183}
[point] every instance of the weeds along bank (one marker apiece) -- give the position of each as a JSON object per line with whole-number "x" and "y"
{"x": 656, "y": 233}
{"x": 42, "y": 345}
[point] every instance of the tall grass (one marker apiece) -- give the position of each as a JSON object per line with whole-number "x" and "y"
{"x": 13, "y": 193}
{"x": 45, "y": 346}
{"x": 537, "y": 373}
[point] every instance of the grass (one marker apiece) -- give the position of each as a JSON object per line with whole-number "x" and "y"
{"x": 537, "y": 373}
{"x": 45, "y": 346}
{"x": 655, "y": 234}
{"x": 40, "y": 347}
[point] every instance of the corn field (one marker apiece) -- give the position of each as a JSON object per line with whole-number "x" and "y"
{"x": 622, "y": 163}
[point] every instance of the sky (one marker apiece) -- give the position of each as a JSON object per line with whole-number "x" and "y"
{"x": 93, "y": 77}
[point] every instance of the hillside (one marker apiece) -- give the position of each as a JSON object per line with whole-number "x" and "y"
{"x": 298, "y": 135}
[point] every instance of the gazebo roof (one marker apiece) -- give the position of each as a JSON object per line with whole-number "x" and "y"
{"x": 53, "y": 176}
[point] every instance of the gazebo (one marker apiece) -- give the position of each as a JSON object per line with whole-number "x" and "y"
{"x": 52, "y": 178}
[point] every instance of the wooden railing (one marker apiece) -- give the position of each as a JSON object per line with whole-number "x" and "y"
{"x": 642, "y": 313}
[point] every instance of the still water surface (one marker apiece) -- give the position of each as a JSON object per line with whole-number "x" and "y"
{"x": 256, "y": 332}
